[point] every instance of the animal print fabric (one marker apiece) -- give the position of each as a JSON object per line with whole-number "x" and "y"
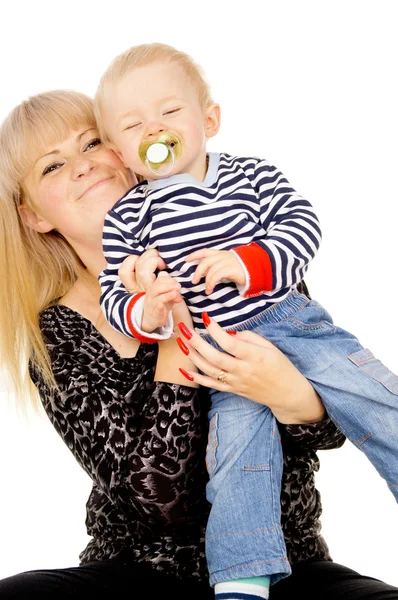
{"x": 143, "y": 446}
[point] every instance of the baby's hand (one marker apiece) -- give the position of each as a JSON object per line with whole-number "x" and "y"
{"x": 216, "y": 265}
{"x": 137, "y": 273}
{"x": 160, "y": 298}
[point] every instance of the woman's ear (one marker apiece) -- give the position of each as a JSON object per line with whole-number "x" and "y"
{"x": 212, "y": 120}
{"x": 33, "y": 220}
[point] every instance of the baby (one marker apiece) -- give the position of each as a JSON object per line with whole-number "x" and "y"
{"x": 237, "y": 239}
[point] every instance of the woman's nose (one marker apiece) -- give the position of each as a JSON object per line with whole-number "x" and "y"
{"x": 82, "y": 166}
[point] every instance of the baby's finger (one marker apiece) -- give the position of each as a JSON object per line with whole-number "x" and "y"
{"x": 163, "y": 283}
{"x": 199, "y": 254}
{"x": 162, "y": 304}
{"x": 168, "y": 299}
{"x": 156, "y": 262}
{"x": 215, "y": 274}
{"x": 202, "y": 268}
{"x": 150, "y": 255}
{"x": 146, "y": 267}
{"x": 127, "y": 272}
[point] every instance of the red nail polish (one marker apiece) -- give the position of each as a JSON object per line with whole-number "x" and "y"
{"x": 186, "y": 374}
{"x": 205, "y": 319}
{"x": 231, "y": 332}
{"x": 184, "y": 330}
{"x": 182, "y": 346}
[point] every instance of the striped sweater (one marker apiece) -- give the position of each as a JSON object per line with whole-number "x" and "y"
{"x": 244, "y": 205}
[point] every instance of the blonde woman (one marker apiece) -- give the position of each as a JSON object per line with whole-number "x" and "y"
{"x": 139, "y": 438}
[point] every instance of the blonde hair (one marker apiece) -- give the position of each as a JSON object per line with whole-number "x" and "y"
{"x": 140, "y": 56}
{"x": 36, "y": 268}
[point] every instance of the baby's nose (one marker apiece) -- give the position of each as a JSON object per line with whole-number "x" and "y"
{"x": 154, "y": 129}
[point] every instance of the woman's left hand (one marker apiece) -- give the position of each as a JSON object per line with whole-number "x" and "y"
{"x": 253, "y": 367}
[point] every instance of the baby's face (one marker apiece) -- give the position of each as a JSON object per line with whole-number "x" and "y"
{"x": 148, "y": 101}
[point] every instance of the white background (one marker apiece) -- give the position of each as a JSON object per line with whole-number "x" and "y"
{"x": 310, "y": 85}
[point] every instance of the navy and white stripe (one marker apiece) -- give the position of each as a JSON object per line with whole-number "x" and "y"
{"x": 242, "y": 200}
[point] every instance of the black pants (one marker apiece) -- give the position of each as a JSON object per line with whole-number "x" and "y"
{"x": 315, "y": 580}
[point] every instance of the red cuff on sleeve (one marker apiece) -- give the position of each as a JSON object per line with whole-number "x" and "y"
{"x": 137, "y": 334}
{"x": 259, "y": 268}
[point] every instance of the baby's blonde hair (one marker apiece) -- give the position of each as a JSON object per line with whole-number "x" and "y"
{"x": 36, "y": 268}
{"x": 140, "y": 56}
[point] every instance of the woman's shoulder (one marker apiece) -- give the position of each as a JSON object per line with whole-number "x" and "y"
{"x": 60, "y": 323}
{"x": 65, "y": 317}
{"x": 70, "y": 338}
{"x": 82, "y": 359}
{"x": 67, "y": 332}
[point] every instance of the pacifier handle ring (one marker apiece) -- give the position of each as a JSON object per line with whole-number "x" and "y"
{"x": 170, "y": 165}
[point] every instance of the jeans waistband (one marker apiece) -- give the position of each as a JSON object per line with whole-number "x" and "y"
{"x": 275, "y": 313}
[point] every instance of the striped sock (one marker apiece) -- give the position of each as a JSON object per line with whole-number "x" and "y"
{"x": 251, "y": 588}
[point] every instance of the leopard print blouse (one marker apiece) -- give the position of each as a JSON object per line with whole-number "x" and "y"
{"x": 143, "y": 445}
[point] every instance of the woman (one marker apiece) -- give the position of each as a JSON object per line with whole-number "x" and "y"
{"x": 140, "y": 439}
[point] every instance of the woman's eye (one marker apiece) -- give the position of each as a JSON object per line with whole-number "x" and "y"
{"x": 170, "y": 112}
{"x": 92, "y": 143}
{"x": 51, "y": 168}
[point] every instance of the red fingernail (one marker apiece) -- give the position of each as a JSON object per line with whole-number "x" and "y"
{"x": 184, "y": 330}
{"x": 186, "y": 374}
{"x": 205, "y": 319}
{"x": 231, "y": 332}
{"x": 182, "y": 346}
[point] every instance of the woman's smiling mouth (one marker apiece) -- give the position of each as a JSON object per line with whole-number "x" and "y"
{"x": 95, "y": 185}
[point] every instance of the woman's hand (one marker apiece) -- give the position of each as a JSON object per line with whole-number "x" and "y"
{"x": 253, "y": 367}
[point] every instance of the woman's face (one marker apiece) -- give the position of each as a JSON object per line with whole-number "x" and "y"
{"x": 72, "y": 185}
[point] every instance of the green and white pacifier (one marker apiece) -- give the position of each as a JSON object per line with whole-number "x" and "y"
{"x": 160, "y": 155}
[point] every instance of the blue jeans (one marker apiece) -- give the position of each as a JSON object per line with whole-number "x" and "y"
{"x": 244, "y": 457}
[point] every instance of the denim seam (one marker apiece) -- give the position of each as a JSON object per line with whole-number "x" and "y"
{"x": 213, "y": 445}
{"x": 309, "y": 326}
{"x": 259, "y": 564}
{"x": 363, "y": 439}
{"x": 276, "y": 498}
{"x": 360, "y": 363}
{"x": 257, "y": 468}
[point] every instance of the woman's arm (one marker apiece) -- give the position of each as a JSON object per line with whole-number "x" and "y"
{"x": 170, "y": 359}
{"x": 323, "y": 435}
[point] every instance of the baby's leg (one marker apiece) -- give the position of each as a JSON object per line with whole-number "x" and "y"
{"x": 359, "y": 393}
{"x": 244, "y": 538}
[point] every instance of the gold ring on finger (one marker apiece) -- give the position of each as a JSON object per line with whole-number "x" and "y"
{"x": 222, "y": 377}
